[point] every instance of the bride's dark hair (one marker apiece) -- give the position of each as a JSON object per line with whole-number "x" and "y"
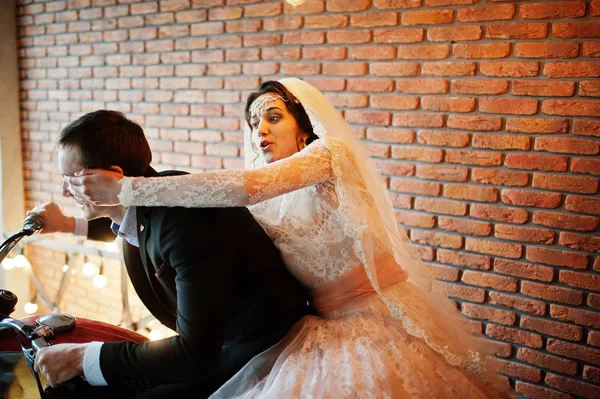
{"x": 292, "y": 104}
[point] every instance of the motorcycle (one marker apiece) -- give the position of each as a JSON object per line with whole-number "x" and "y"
{"x": 21, "y": 339}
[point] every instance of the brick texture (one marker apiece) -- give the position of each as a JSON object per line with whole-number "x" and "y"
{"x": 482, "y": 115}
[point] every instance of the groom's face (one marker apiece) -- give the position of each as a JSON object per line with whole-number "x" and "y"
{"x": 69, "y": 163}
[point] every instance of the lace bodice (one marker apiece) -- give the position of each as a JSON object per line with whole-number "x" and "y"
{"x": 295, "y": 200}
{"x": 311, "y": 233}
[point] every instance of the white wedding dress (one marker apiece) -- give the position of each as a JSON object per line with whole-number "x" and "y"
{"x": 386, "y": 330}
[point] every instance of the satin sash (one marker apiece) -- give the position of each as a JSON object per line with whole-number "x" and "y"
{"x": 350, "y": 291}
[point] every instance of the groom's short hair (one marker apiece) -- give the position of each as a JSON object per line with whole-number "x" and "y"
{"x": 107, "y": 138}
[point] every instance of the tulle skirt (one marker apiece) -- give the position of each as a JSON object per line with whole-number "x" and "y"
{"x": 364, "y": 353}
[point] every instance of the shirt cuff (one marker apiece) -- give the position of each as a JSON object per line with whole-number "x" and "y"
{"x": 115, "y": 228}
{"x": 91, "y": 364}
{"x": 81, "y": 227}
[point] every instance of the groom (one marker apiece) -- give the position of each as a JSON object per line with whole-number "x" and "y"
{"x": 212, "y": 275}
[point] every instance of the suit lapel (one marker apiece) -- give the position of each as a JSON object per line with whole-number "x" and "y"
{"x": 139, "y": 279}
{"x": 144, "y": 227}
{"x": 143, "y": 215}
{"x": 142, "y": 270}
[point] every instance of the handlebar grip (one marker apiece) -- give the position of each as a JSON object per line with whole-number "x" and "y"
{"x": 74, "y": 388}
{"x": 8, "y": 302}
{"x": 32, "y": 224}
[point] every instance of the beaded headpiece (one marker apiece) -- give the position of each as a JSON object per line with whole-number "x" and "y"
{"x": 261, "y": 103}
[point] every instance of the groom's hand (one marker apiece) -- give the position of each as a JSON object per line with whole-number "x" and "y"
{"x": 97, "y": 186}
{"x": 60, "y": 363}
{"x": 53, "y": 218}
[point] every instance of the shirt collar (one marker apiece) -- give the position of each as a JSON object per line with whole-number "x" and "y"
{"x": 128, "y": 227}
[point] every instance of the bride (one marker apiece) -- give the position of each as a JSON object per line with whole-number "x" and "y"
{"x": 386, "y": 329}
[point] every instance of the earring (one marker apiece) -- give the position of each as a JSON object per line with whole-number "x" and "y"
{"x": 303, "y": 144}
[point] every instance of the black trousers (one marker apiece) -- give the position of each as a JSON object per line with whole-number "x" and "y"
{"x": 170, "y": 391}
{"x": 184, "y": 390}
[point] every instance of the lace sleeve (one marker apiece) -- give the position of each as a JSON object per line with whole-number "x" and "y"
{"x": 228, "y": 188}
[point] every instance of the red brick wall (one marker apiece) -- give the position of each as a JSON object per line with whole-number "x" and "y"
{"x": 482, "y": 114}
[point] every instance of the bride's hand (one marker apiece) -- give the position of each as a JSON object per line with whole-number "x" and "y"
{"x": 96, "y": 186}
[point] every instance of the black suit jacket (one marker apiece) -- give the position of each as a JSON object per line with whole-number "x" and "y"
{"x": 215, "y": 277}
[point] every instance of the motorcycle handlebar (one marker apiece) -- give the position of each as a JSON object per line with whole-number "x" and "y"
{"x": 31, "y": 225}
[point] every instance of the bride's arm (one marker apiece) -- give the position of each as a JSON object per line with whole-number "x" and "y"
{"x": 225, "y": 188}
